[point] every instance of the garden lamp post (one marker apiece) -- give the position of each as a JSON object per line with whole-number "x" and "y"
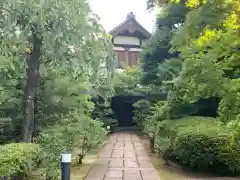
{"x": 66, "y": 166}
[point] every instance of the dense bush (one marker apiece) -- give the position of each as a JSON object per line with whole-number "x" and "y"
{"x": 16, "y": 158}
{"x": 78, "y": 134}
{"x": 141, "y": 111}
{"x": 229, "y": 107}
{"x": 206, "y": 151}
{"x": 158, "y": 112}
{"x": 106, "y": 116}
{"x": 148, "y": 114}
{"x": 110, "y": 123}
{"x": 91, "y": 136}
{"x": 199, "y": 143}
{"x": 6, "y": 130}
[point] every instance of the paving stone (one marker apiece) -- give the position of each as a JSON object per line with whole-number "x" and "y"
{"x": 123, "y": 158}
{"x": 113, "y": 174}
{"x": 129, "y": 163}
{"x": 102, "y": 161}
{"x": 132, "y": 175}
{"x": 97, "y": 173}
{"x": 117, "y": 154}
{"x": 129, "y": 154}
{"x": 150, "y": 175}
{"x": 143, "y": 158}
{"x": 105, "y": 154}
{"x": 116, "y": 163}
{"x": 145, "y": 164}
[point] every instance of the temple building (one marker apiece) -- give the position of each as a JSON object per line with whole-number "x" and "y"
{"x": 128, "y": 38}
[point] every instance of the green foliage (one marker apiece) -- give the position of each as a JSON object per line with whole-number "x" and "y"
{"x": 111, "y": 122}
{"x": 92, "y": 137}
{"x": 156, "y": 51}
{"x": 193, "y": 58}
{"x": 169, "y": 69}
{"x": 205, "y": 38}
{"x": 74, "y": 63}
{"x": 76, "y": 58}
{"x": 58, "y": 95}
{"x": 17, "y": 158}
{"x": 6, "y": 130}
{"x": 168, "y": 129}
{"x": 229, "y": 107}
{"x": 158, "y": 112}
{"x": 128, "y": 82}
{"x": 199, "y": 143}
{"x": 141, "y": 111}
{"x": 208, "y": 44}
{"x": 51, "y": 147}
{"x": 148, "y": 114}
{"x": 77, "y": 133}
{"x": 105, "y": 115}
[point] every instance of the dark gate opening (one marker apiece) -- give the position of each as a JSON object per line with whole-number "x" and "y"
{"x": 123, "y": 108}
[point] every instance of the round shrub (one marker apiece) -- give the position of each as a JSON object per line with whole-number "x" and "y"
{"x": 199, "y": 143}
{"x": 17, "y": 158}
{"x": 197, "y": 150}
{"x": 205, "y": 151}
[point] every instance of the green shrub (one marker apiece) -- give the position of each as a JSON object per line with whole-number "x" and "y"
{"x": 147, "y": 115}
{"x": 51, "y": 147}
{"x": 6, "y": 130}
{"x": 78, "y": 133}
{"x": 163, "y": 138}
{"x": 199, "y": 143}
{"x": 141, "y": 111}
{"x": 158, "y": 112}
{"x": 207, "y": 151}
{"x": 229, "y": 107}
{"x": 91, "y": 137}
{"x": 17, "y": 158}
{"x": 110, "y": 122}
{"x": 198, "y": 150}
{"x": 106, "y": 116}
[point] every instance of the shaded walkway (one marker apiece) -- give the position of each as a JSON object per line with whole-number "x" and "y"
{"x": 123, "y": 158}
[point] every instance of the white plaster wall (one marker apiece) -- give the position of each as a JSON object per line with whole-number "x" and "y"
{"x": 118, "y": 49}
{"x": 135, "y": 49}
{"x": 126, "y": 40}
{"x": 122, "y": 49}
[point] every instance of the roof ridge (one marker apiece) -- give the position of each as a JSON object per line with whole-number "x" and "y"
{"x": 120, "y": 25}
{"x": 130, "y": 16}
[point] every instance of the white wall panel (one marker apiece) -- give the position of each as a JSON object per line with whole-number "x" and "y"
{"x": 126, "y": 40}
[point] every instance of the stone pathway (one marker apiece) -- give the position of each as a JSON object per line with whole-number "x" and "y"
{"x": 123, "y": 158}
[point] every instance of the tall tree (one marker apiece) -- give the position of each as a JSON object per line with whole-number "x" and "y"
{"x": 62, "y": 35}
{"x": 208, "y": 42}
{"x": 169, "y": 19}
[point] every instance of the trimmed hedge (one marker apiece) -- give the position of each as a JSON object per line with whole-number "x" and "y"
{"x": 199, "y": 143}
{"x": 17, "y": 158}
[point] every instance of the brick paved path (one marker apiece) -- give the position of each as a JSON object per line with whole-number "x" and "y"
{"x": 123, "y": 158}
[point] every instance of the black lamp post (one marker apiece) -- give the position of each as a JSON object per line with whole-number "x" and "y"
{"x": 66, "y": 166}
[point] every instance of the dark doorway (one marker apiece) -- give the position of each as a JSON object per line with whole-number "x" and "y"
{"x": 123, "y": 109}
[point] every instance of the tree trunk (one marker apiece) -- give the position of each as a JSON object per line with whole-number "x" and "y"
{"x": 152, "y": 145}
{"x": 36, "y": 118}
{"x": 30, "y": 89}
{"x": 80, "y": 158}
